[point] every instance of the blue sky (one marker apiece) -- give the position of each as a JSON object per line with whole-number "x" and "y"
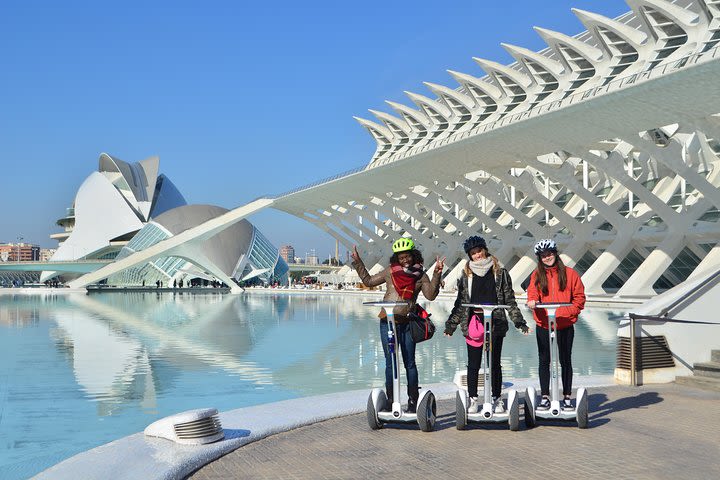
{"x": 237, "y": 99}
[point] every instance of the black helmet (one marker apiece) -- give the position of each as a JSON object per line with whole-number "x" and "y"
{"x": 474, "y": 242}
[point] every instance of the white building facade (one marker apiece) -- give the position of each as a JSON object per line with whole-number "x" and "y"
{"x": 607, "y": 142}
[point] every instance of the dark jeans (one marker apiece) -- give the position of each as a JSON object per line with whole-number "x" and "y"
{"x": 564, "y": 341}
{"x": 404, "y": 340}
{"x": 474, "y": 362}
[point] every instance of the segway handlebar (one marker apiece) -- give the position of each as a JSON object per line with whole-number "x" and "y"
{"x": 484, "y": 306}
{"x": 553, "y": 305}
{"x": 386, "y": 304}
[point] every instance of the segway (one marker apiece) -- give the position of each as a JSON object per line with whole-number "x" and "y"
{"x": 426, "y": 406}
{"x": 487, "y": 413}
{"x": 555, "y": 412}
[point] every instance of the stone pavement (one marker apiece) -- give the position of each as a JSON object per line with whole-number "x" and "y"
{"x": 650, "y": 432}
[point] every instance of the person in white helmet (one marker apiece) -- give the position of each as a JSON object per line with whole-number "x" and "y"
{"x": 553, "y": 282}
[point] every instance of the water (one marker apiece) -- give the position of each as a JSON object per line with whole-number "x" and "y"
{"x": 77, "y": 371}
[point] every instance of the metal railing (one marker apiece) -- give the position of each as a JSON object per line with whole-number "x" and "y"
{"x": 634, "y": 318}
{"x": 319, "y": 182}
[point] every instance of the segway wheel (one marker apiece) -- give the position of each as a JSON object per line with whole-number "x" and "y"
{"x": 427, "y": 412}
{"x": 530, "y": 408}
{"x": 372, "y": 411}
{"x": 514, "y": 415}
{"x": 460, "y": 411}
{"x": 581, "y": 409}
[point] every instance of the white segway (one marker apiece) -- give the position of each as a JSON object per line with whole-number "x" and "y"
{"x": 426, "y": 406}
{"x": 486, "y": 414}
{"x": 555, "y": 412}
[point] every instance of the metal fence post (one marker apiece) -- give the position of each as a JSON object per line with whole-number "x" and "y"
{"x": 633, "y": 379}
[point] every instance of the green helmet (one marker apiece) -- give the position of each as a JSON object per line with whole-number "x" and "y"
{"x": 403, "y": 245}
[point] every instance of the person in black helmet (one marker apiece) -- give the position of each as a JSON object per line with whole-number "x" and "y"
{"x": 484, "y": 280}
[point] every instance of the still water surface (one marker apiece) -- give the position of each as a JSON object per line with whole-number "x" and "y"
{"x": 77, "y": 371}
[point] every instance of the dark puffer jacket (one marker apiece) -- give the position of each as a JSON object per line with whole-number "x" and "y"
{"x": 505, "y": 296}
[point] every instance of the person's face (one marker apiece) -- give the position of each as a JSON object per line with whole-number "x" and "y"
{"x": 548, "y": 258}
{"x": 477, "y": 253}
{"x": 405, "y": 259}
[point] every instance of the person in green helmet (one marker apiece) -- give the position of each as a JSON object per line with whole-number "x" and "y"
{"x": 405, "y": 279}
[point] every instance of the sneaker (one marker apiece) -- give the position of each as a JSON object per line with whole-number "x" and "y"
{"x": 499, "y": 405}
{"x": 544, "y": 404}
{"x": 567, "y": 404}
{"x": 473, "y": 408}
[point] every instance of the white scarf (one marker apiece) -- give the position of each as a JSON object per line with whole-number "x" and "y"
{"x": 481, "y": 267}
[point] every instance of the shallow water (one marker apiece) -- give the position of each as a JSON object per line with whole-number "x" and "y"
{"x": 77, "y": 371}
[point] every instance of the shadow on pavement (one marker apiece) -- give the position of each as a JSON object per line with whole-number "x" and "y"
{"x": 600, "y": 408}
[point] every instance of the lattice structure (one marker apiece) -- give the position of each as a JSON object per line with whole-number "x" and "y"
{"x": 607, "y": 141}
{"x": 531, "y": 150}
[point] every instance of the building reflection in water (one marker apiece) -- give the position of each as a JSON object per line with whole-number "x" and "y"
{"x": 127, "y": 349}
{"x": 82, "y": 370}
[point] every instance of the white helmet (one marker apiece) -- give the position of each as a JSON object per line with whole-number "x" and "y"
{"x": 545, "y": 245}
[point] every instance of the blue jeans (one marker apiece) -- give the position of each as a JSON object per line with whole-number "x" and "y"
{"x": 407, "y": 348}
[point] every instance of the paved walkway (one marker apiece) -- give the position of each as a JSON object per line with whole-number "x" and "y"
{"x": 651, "y": 432}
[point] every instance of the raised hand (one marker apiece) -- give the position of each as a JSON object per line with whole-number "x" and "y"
{"x": 439, "y": 264}
{"x": 354, "y": 254}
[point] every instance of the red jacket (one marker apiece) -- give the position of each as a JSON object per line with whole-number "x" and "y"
{"x": 574, "y": 293}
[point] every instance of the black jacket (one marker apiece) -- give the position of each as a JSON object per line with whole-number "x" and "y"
{"x": 505, "y": 296}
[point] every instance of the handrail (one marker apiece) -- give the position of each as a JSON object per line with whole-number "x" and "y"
{"x": 634, "y": 318}
{"x": 684, "y": 298}
{"x": 322, "y": 181}
{"x": 654, "y": 318}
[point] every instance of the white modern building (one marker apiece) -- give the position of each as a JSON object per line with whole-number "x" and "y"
{"x": 110, "y": 207}
{"x": 124, "y": 208}
{"x": 238, "y": 254}
{"x": 606, "y": 141}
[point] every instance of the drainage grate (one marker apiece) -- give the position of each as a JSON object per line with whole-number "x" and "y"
{"x": 204, "y": 427}
{"x": 650, "y": 352}
{"x": 460, "y": 379}
{"x": 194, "y": 427}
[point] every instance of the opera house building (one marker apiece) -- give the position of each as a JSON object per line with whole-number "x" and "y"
{"x": 124, "y": 208}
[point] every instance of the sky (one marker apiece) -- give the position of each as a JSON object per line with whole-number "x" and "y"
{"x": 238, "y": 99}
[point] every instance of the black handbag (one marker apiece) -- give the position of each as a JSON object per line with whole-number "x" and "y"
{"x": 421, "y": 327}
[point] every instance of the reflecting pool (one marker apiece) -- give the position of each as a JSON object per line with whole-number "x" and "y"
{"x": 77, "y": 371}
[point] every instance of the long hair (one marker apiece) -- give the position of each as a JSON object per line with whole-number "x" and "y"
{"x": 417, "y": 256}
{"x": 541, "y": 282}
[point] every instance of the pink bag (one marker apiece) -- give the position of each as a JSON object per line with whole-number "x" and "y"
{"x": 476, "y": 331}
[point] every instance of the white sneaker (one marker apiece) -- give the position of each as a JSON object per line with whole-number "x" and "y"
{"x": 473, "y": 408}
{"x": 499, "y": 405}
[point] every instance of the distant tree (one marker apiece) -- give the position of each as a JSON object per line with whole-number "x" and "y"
{"x": 333, "y": 262}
